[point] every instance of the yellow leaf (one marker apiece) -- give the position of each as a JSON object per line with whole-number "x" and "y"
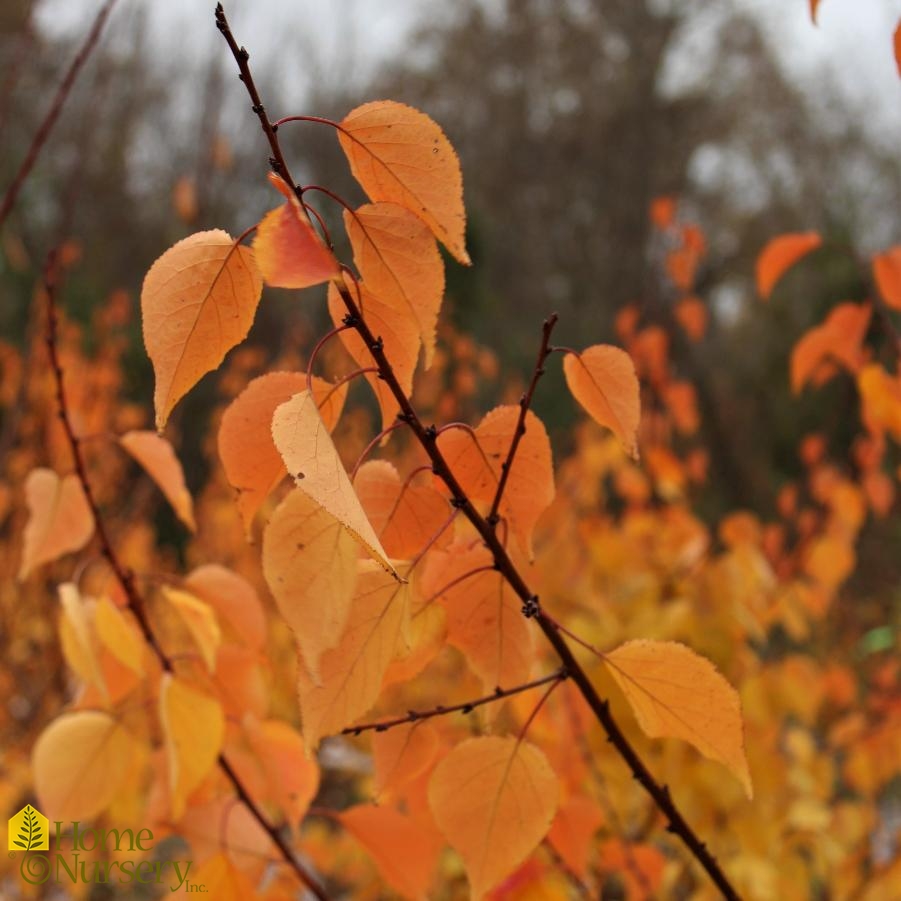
{"x": 400, "y": 338}
{"x": 399, "y": 155}
{"x": 602, "y": 379}
{"x": 351, "y": 673}
{"x": 200, "y": 620}
{"x": 400, "y": 264}
{"x": 251, "y": 460}
{"x": 79, "y": 762}
{"x": 119, "y": 636}
{"x": 59, "y": 519}
{"x": 310, "y": 565}
{"x": 402, "y": 754}
{"x": 198, "y": 301}
{"x": 494, "y": 800}
{"x": 193, "y": 729}
{"x": 404, "y": 852}
{"x": 307, "y": 449}
{"x": 78, "y": 639}
{"x": 158, "y": 459}
{"x": 676, "y": 693}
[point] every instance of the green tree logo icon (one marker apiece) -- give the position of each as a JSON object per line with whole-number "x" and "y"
{"x": 28, "y": 831}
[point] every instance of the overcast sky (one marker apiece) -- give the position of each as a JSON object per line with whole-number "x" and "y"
{"x": 853, "y": 39}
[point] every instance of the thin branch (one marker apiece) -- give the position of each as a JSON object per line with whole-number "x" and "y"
{"x": 415, "y": 716}
{"x": 126, "y": 577}
{"x": 459, "y": 498}
{"x": 62, "y": 93}
{"x": 488, "y": 567}
{"x": 343, "y": 381}
{"x": 369, "y": 447}
{"x": 315, "y": 353}
{"x": 524, "y": 403}
{"x": 541, "y": 702}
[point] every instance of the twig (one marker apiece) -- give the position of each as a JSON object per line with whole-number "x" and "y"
{"x": 415, "y": 716}
{"x": 459, "y": 498}
{"x": 43, "y": 132}
{"x": 126, "y": 577}
{"x": 525, "y": 402}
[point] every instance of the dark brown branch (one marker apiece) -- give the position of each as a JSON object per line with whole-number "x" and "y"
{"x": 415, "y": 716}
{"x": 531, "y": 608}
{"x": 525, "y": 402}
{"x": 43, "y": 132}
{"x": 126, "y": 577}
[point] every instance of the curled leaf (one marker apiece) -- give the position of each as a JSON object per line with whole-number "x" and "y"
{"x": 780, "y": 255}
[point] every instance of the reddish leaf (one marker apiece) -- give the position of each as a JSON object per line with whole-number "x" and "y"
{"x": 780, "y": 255}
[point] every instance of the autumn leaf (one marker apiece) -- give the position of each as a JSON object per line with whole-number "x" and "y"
{"x": 814, "y": 8}
{"x": 602, "y": 379}
{"x": 310, "y": 456}
{"x": 78, "y": 639}
{"x": 157, "y": 457}
{"x": 291, "y": 776}
{"x": 405, "y": 515}
{"x": 484, "y": 615}
{"x": 288, "y": 251}
{"x": 896, "y": 45}
{"x": 493, "y": 799}
{"x": 676, "y": 693}
{"x": 476, "y": 459}
{"x": 351, "y": 673}
{"x": 59, "y": 519}
{"x": 119, "y": 635}
{"x": 400, "y": 264}
{"x": 400, "y": 755}
{"x": 887, "y": 270}
{"x": 234, "y": 599}
{"x": 839, "y": 338}
{"x": 198, "y": 301}
{"x": 200, "y": 621}
{"x": 573, "y": 830}
{"x": 223, "y": 879}
{"x": 399, "y": 155}
{"x": 400, "y": 340}
{"x": 193, "y": 731}
{"x": 779, "y": 255}
{"x": 310, "y": 565}
{"x": 880, "y": 395}
{"x": 79, "y": 763}
{"x": 405, "y": 853}
{"x": 252, "y": 463}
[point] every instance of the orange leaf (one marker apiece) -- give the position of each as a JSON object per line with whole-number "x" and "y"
{"x": 639, "y": 866}
{"x": 59, "y": 519}
{"x": 292, "y": 777}
{"x": 399, "y": 155}
{"x": 351, "y": 673}
{"x": 193, "y": 730}
{"x": 289, "y": 252}
{"x": 602, "y": 379}
{"x": 400, "y": 337}
{"x": 839, "y": 338}
{"x": 223, "y": 879}
{"x": 404, "y": 516}
{"x": 252, "y": 463}
{"x": 887, "y": 269}
{"x": 484, "y": 616}
{"x": 896, "y": 43}
{"x": 307, "y": 449}
{"x": 691, "y": 314}
{"x": 494, "y": 800}
{"x": 572, "y": 832}
{"x": 80, "y": 762}
{"x": 234, "y": 599}
{"x": 198, "y": 301}
{"x": 676, "y": 693}
{"x": 310, "y": 564}
{"x": 880, "y": 395}
{"x": 477, "y": 465}
{"x": 404, "y": 852}
{"x": 814, "y": 6}
{"x": 156, "y": 456}
{"x": 662, "y": 211}
{"x": 399, "y": 262}
{"x": 400, "y": 755}
{"x": 780, "y": 255}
